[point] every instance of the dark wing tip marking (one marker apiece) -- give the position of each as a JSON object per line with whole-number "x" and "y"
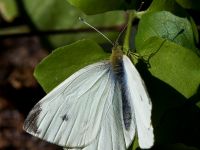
{"x": 30, "y": 123}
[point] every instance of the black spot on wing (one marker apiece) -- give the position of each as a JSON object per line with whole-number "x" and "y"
{"x": 65, "y": 117}
{"x": 30, "y": 123}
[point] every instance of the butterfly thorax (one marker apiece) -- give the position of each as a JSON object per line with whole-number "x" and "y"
{"x": 117, "y": 60}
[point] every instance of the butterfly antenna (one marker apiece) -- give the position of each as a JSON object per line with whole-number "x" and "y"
{"x": 120, "y": 34}
{"x": 82, "y": 20}
{"x": 141, "y": 5}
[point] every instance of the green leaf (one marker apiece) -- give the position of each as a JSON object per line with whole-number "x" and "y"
{"x": 8, "y": 9}
{"x": 96, "y": 6}
{"x": 165, "y": 25}
{"x": 189, "y": 4}
{"x": 195, "y": 30}
{"x": 198, "y": 104}
{"x": 135, "y": 143}
{"x": 64, "y": 61}
{"x": 60, "y": 15}
{"x": 175, "y": 65}
{"x": 167, "y": 5}
{"x": 92, "y": 7}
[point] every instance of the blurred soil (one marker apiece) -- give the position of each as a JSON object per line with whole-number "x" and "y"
{"x": 19, "y": 92}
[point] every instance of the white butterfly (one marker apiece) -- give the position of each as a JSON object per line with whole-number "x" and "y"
{"x": 100, "y": 107}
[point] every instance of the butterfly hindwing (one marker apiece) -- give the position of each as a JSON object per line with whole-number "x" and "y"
{"x": 141, "y": 104}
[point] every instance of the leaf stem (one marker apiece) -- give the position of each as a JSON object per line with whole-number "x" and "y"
{"x": 128, "y": 32}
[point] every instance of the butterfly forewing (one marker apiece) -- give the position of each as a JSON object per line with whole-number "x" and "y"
{"x": 71, "y": 115}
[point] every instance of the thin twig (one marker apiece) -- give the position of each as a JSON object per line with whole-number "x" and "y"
{"x": 54, "y": 32}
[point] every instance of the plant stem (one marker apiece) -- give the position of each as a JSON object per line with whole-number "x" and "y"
{"x": 55, "y": 32}
{"x": 128, "y": 32}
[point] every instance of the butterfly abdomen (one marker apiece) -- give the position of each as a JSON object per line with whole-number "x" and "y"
{"x": 118, "y": 70}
